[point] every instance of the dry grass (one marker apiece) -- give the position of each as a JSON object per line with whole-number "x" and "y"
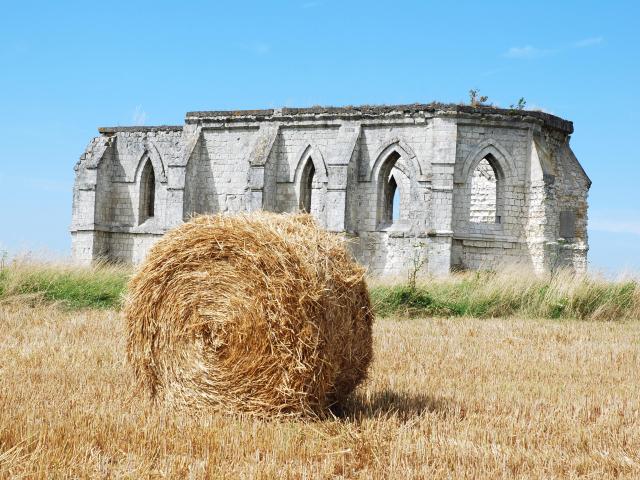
{"x": 459, "y": 398}
{"x": 512, "y": 291}
{"x": 257, "y": 313}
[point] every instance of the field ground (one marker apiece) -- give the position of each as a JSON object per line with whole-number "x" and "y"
{"x": 446, "y": 398}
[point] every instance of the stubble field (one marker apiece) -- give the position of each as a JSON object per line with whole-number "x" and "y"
{"x": 446, "y": 398}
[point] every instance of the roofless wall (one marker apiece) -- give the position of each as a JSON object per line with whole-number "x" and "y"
{"x": 449, "y": 186}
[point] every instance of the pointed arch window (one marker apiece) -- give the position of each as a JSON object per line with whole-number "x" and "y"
{"x": 306, "y": 186}
{"x": 485, "y": 192}
{"x": 390, "y": 194}
{"x": 147, "y": 192}
{"x": 392, "y": 210}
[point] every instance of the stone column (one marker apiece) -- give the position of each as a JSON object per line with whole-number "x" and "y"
{"x": 261, "y": 188}
{"x": 444, "y": 140}
{"x": 87, "y": 243}
{"x": 176, "y": 175}
{"x": 336, "y": 198}
{"x": 338, "y": 161}
{"x": 541, "y": 199}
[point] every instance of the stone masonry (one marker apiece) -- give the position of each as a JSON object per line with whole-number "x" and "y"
{"x": 450, "y": 186}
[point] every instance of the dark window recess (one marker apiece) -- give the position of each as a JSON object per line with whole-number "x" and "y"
{"x": 567, "y": 224}
{"x": 390, "y": 194}
{"x": 308, "y": 174}
{"x": 147, "y": 193}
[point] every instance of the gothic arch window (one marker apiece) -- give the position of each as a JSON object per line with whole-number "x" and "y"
{"x": 392, "y": 205}
{"x": 307, "y": 186}
{"x": 147, "y": 193}
{"x": 389, "y": 186}
{"x": 486, "y": 192}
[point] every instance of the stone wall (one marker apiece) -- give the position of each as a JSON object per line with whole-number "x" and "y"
{"x": 477, "y": 186}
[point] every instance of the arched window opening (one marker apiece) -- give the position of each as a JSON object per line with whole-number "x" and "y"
{"x": 390, "y": 193}
{"x": 306, "y": 186}
{"x": 484, "y": 192}
{"x": 147, "y": 193}
{"x": 395, "y": 204}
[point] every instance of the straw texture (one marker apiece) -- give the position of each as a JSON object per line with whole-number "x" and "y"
{"x": 258, "y": 313}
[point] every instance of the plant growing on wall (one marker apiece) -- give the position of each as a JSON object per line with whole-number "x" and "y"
{"x": 520, "y": 105}
{"x": 418, "y": 261}
{"x": 475, "y": 99}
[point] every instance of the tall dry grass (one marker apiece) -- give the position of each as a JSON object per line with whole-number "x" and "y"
{"x": 456, "y": 398}
{"x": 508, "y": 292}
{"x": 512, "y": 292}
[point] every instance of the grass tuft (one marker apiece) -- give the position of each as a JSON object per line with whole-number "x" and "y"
{"x": 74, "y": 287}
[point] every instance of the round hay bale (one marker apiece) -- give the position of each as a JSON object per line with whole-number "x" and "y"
{"x": 258, "y": 313}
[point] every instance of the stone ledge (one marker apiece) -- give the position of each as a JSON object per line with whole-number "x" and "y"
{"x": 363, "y": 111}
{"x": 487, "y": 238}
{"x": 355, "y": 112}
{"x": 230, "y": 113}
{"x": 160, "y": 128}
{"x": 137, "y": 230}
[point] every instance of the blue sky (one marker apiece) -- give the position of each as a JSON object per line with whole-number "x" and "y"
{"x": 68, "y": 67}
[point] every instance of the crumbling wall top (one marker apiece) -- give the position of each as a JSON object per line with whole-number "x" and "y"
{"x": 359, "y": 112}
{"x": 141, "y": 129}
{"x": 373, "y": 111}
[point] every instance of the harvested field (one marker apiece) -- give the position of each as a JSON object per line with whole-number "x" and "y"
{"x": 446, "y": 398}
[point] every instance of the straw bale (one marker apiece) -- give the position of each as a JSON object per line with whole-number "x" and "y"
{"x": 259, "y": 313}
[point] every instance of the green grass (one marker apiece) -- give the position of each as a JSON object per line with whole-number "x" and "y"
{"x": 99, "y": 287}
{"x": 505, "y": 294}
{"x": 478, "y": 294}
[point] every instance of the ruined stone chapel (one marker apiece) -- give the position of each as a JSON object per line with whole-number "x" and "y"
{"x": 457, "y": 187}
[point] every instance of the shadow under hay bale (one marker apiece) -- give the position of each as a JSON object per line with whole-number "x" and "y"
{"x": 405, "y": 406}
{"x": 261, "y": 313}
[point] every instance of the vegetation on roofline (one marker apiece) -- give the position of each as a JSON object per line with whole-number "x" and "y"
{"x": 477, "y": 100}
{"x": 507, "y": 293}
